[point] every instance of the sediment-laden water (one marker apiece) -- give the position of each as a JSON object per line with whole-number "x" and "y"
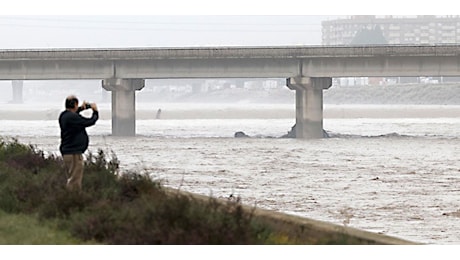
{"x": 395, "y": 175}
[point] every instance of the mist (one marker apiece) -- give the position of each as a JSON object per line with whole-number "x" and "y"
{"x": 31, "y": 31}
{"x": 136, "y": 31}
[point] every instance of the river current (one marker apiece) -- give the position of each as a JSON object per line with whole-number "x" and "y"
{"x": 398, "y": 176}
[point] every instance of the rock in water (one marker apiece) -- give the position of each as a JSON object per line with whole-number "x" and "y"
{"x": 240, "y": 134}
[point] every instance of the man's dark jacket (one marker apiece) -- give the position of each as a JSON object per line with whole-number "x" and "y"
{"x": 74, "y": 139}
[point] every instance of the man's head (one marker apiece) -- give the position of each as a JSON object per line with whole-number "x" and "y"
{"x": 71, "y": 102}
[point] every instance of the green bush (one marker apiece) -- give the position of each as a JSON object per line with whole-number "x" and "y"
{"x": 114, "y": 207}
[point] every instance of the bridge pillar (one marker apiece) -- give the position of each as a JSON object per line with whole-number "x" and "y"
{"x": 123, "y": 104}
{"x": 17, "y": 91}
{"x": 309, "y": 105}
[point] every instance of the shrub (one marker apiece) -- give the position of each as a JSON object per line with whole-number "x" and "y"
{"x": 115, "y": 208}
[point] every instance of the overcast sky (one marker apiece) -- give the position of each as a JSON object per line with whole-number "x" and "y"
{"x": 179, "y": 23}
{"x": 101, "y": 31}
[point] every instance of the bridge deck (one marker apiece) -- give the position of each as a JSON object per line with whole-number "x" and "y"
{"x": 269, "y": 52}
{"x": 228, "y": 62}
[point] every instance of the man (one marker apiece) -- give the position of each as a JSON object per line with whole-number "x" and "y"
{"x": 74, "y": 139}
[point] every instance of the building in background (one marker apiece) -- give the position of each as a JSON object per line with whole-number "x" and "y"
{"x": 422, "y": 29}
{"x": 375, "y": 30}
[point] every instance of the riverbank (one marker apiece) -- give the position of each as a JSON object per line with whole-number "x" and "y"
{"x": 369, "y": 101}
{"x": 129, "y": 208}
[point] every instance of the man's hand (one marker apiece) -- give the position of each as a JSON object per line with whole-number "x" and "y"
{"x": 93, "y": 106}
{"x": 84, "y": 105}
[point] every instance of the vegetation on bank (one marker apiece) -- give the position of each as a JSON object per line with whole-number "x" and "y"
{"x": 113, "y": 208}
{"x": 122, "y": 208}
{"x": 22, "y": 229}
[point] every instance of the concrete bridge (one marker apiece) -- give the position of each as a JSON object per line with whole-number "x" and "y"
{"x": 307, "y": 69}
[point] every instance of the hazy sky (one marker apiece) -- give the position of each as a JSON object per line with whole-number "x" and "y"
{"x": 76, "y": 31}
{"x": 177, "y": 23}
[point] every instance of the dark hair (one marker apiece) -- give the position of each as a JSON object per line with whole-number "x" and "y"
{"x": 70, "y": 102}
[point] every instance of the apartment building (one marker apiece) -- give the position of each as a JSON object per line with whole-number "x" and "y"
{"x": 422, "y": 29}
{"x": 370, "y": 29}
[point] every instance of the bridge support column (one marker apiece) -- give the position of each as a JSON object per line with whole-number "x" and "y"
{"x": 309, "y": 105}
{"x": 17, "y": 91}
{"x": 123, "y": 104}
